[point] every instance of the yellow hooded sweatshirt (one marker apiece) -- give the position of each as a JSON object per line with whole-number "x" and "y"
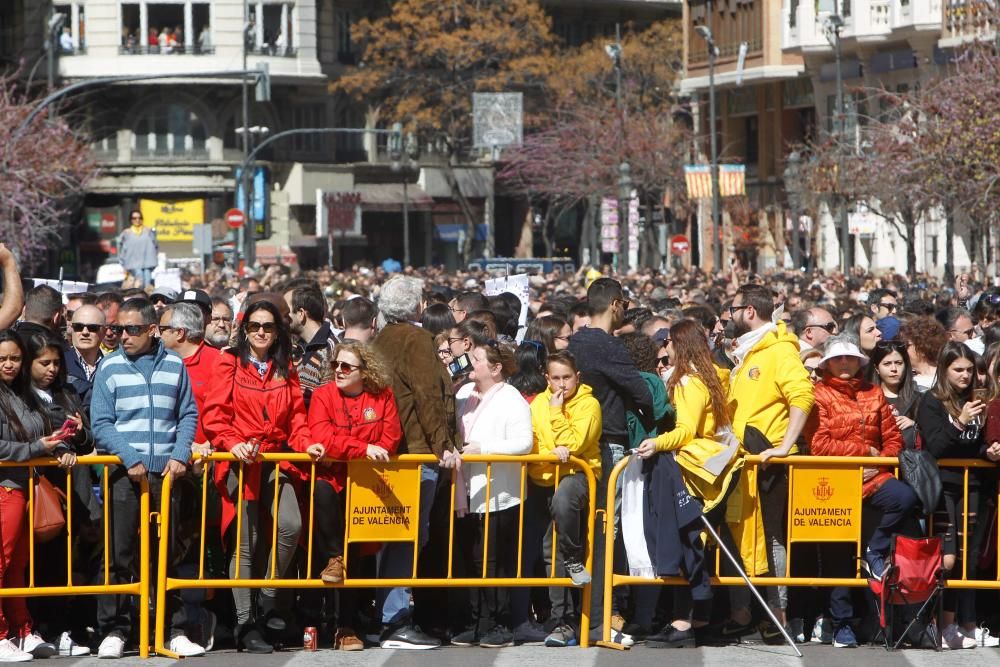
{"x": 577, "y": 427}
{"x": 768, "y": 380}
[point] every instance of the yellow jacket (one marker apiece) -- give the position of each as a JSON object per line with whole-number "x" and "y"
{"x": 577, "y": 427}
{"x": 767, "y": 381}
{"x": 706, "y": 464}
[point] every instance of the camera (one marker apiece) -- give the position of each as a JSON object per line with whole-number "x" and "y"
{"x": 460, "y": 365}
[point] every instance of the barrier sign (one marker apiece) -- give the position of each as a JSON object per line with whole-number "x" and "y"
{"x": 825, "y": 503}
{"x": 384, "y": 502}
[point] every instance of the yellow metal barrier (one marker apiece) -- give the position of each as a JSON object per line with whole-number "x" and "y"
{"x": 139, "y": 588}
{"x": 802, "y": 470}
{"x": 405, "y": 462}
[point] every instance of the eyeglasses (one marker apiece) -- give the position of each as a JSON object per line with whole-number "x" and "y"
{"x": 130, "y": 329}
{"x": 454, "y": 340}
{"x": 735, "y": 309}
{"x": 444, "y": 352}
{"x": 344, "y": 367}
{"x": 92, "y": 328}
{"x": 813, "y": 372}
{"x": 831, "y": 327}
{"x": 898, "y": 345}
{"x": 254, "y": 327}
{"x": 888, "y": 306}
{"x": 968, "y": 333}
{"x": 663, "y": 361}
{"x": 457, "y": 310}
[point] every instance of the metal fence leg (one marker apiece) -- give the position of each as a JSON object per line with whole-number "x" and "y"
{"x": 753, "y": 588}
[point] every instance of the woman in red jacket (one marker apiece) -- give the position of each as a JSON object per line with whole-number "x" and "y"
{"x": 256, "y": 404}
{"x": 854, "y": 419}
{"x": 353, "y": 417}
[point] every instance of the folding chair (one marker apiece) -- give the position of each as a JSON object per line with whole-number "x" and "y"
{"x": 913, "y": 575}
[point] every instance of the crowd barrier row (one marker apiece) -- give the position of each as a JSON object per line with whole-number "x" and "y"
{"x": 824, "y": 505}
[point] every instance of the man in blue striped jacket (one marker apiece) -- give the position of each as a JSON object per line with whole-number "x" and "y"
{"x": 142, "y": 411}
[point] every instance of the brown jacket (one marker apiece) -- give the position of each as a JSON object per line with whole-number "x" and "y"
{"x": 422, "y": 388}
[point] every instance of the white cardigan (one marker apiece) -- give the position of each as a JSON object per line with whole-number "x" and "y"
{"x": 500, "y": 424}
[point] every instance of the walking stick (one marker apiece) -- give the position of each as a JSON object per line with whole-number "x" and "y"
{"x": 753, "y": 588}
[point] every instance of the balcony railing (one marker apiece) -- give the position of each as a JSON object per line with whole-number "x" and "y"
{"x": 279, "y": 51}
{"x": 166, "y": 50}
{"x": 969, "y": 19}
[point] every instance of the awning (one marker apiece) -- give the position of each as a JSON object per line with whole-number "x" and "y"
{"x": 388, "y": 197}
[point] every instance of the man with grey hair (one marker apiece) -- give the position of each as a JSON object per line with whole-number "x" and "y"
{"x": 426, "y": 405}
{"x": 182, "y": 329}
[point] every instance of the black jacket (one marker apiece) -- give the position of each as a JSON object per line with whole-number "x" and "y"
{"x": 604, "y": 364}
{"x": 76, "y": 377}
{"x": 944, "y": 440}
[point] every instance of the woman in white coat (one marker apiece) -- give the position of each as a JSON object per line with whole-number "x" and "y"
{"x": 494, "y": 420}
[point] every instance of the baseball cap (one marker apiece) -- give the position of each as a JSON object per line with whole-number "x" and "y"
{"x": 197, "y": 297}
{"x": 167, "y": 294}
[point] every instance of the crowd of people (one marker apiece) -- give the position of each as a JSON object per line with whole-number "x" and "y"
{"x": 683, "y": 373}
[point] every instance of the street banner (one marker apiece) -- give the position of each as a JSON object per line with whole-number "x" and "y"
{"x": 173, "y": 220}
{"x": 732, "y": 180}
{"x": 383, "y": 502}
{"x": 518, "y": 286}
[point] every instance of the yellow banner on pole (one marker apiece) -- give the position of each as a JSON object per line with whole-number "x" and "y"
{"x": 826, "y": 503}
{"x": 173, "y": 220}
{"x": 384, "y": 502}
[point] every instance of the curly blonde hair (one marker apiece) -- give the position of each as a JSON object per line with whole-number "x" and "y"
{"x": 374, "y": 376}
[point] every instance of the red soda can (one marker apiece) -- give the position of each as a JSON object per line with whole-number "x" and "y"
{"x": 309, "y": 639}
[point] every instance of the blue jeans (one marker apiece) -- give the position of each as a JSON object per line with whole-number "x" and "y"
{"x": 145, "y": 276}
{"x": 395, "y": 561}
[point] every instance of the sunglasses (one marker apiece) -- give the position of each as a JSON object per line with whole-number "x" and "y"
{"x": 662, "y": 361}
{"x": 254, "y": 327}
{"x": 92, "y": 328}
{"x": 344, "y": 367}
{"x": 164, "y": 328}
{"x": 888, "y": 306}
{"x": 830, "y": 327}
{"x": 897, "y": 345}
{"x": 130, "y": 329}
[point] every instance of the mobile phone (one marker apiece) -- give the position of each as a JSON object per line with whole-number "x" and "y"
{"x": 982, "y": 394}
{"x": 68, "y": 427}
{"x": 459, "y": 365}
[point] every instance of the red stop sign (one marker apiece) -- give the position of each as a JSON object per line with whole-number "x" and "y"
{"x": 235, "y": 218}
{"x": 679, "y": 244}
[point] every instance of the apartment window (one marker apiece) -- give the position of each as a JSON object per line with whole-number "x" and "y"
{"x": 271, "y": 31}
{"x": 306, "y": 116}
{"x": 171, "y": 130}
{"x": 351, "y": 147}
{"x": 793, "y": 8}
{"x": 166, "y": 28}
{"x": 73, "y": 35}
{"x": 751, "y": 130}
{"x": 345, "y": 48}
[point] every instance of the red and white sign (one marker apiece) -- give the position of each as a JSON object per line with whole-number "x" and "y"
{"x": 235, "y": 218}
{"x": 679, "y": 245}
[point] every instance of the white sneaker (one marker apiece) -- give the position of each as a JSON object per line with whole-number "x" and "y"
{"x": 628, "y": 641}
{"x": 70, "y": 648}
{"x": 185, "y": 648}
{"x": 112, "y": 647}
{"x": 37, "y": 646}
{"x": 9, "y": 652}
{"x": 952, "y": 638}
{"x": 983, "y": 637}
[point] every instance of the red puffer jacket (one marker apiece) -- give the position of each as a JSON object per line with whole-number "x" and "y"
{"x": 851, "y": 417}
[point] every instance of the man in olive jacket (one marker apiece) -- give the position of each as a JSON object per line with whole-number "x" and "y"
{"x": 426, "y": 406}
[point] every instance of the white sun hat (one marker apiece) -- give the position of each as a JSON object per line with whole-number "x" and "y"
{"x": 838, "y": 347}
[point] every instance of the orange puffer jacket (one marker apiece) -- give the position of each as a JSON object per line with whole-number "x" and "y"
{"x": 851, "y": 416}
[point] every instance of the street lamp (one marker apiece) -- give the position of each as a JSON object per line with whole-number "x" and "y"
{"x": 793, "y": 189}
{"x": 624, "y": 197}
{"x": 402, "y": 153}
{"x": 246, "y": 241}
{"x": 706, "y": 33}
{"x": 832, "y": 25}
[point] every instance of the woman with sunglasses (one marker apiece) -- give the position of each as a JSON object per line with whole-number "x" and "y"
{"x": 950, "y": 418}
{"x": 353, "y": 417}
{"x": 61, "y": 403}
{"x": 864, "y": 330}
{"x": 702, "y": 445}
{"x": 25, "y": 433}
{"x": 890, "y": 369}
{"x": 494, "y": 419}
{"x": 256, "y": 405}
